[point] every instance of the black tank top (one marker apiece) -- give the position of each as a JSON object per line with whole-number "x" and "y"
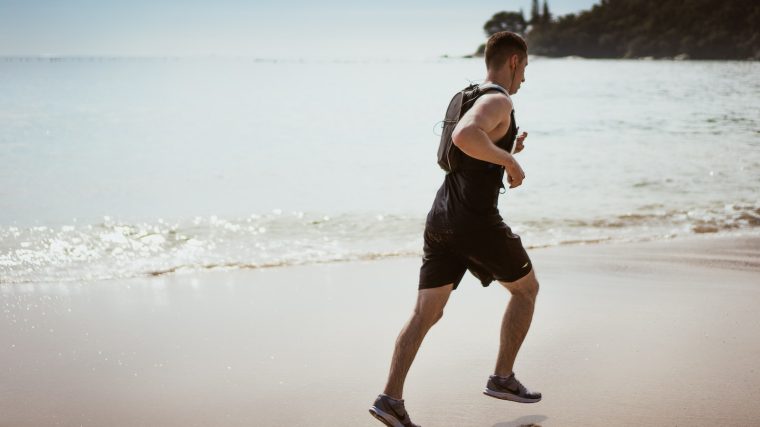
{"x": 468, "y": 198}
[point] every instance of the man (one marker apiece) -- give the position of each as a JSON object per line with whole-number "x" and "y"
{"x": 464, "y": 231}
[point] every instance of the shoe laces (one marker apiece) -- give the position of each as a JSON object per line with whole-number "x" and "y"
{"x": 512, "y": 381}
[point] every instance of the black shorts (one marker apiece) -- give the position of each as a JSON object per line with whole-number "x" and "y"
{"x": 490, "y": 254}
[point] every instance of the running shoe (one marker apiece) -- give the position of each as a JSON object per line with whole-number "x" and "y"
{"x": 391, "y": 412}
{"x": 510, "y": 389}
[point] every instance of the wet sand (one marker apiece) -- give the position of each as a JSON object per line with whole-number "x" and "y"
{"x": 653, "y": 333}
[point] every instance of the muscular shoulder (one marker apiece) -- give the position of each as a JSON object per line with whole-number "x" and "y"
{"x": 493, "y": 103}
{"x": 489, "y": 112}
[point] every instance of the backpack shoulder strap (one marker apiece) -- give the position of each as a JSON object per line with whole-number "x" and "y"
{"x": 493, "y": 86}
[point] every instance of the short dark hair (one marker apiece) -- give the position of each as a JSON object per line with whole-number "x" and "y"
{"x": 501, "y": 46}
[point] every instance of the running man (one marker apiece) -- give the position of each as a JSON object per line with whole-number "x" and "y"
{"x": 464, "y": 231}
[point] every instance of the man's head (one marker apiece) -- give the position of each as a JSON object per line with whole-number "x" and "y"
{"x": 506, "y": 58}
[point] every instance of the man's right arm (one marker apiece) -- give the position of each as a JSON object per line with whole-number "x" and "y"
{"x": 471, "y": 134}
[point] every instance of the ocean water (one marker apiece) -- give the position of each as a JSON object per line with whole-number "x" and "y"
{"x": 125, "y": 167}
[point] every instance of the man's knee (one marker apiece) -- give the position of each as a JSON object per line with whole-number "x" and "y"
{"x": 533, "y": 288}
{"x": 526, "y": 286}
{"x": 430, "y": 304}
{"x": 428, "y": 315}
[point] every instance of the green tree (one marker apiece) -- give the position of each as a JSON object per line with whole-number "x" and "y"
{"x": 546, "y": 17}
{"x": 506, "y": 21}
{"x": 535, "y": 18}
{"x": 707, "y": 29}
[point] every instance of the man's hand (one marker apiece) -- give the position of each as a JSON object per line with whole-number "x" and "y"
{"x": 520, "y": 142}
{"x": 515, "y": 174}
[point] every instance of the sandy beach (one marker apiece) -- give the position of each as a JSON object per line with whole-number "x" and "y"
{"x": 627, "y": 334}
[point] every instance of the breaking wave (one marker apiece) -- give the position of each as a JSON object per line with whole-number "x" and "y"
{"x": 115, "y": 249}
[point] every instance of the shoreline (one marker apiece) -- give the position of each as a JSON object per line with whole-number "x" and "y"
{"x": 624, "y": 334}
{"x": 371, "y": 257}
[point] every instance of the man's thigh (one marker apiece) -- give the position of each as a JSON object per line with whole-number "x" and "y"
{"x": 441, "y": 264}
{"x": 497, "y": 254}
{"x": 433, "y": 299}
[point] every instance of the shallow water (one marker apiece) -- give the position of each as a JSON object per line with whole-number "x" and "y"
{"x": 117, "y": 168}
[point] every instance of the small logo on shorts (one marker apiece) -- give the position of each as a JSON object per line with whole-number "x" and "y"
{"x": 526, "y": 264}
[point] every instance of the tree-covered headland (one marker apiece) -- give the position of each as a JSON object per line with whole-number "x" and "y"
{"x": 696, "y": 29}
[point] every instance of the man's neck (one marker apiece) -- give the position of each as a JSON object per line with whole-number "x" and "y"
{"x": 505, "y": 84}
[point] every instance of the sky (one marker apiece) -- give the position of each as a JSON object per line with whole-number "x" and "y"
{"x": 331, "y": 29}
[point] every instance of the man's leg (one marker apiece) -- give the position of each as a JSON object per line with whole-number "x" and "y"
{"x": 516, "y": 322}
{"x": 427, "y": 311}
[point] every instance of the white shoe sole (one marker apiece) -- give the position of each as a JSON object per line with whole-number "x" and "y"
{"x": 385, "y": 418}
{"x": 509, "y": 396}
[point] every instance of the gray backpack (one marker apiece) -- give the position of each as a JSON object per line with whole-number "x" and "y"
{"x": 449, "y": 155}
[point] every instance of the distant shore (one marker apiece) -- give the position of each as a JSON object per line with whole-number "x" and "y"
{"x": 640, "y": 29}
{"x": 681, "y": 57}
